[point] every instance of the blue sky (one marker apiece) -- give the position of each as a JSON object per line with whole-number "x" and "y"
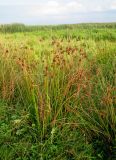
{"x": 57, "y": 11}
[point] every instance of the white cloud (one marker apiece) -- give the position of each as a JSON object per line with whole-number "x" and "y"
{"x": 56, "y": 8}
{"x": 75, "y": 6}
{"x": 113, "y": 5}
{"x": 53, "y": 3}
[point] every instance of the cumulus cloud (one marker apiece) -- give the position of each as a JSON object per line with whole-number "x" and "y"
{"x": 57, "y": 8}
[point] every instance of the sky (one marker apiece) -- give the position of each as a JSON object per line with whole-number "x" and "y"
{"x": 45, "y": 12}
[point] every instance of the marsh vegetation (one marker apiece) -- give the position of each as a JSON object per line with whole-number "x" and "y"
{"x": 57, "y": 92}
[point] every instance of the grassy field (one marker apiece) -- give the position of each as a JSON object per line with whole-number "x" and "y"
{"x": 57, "y": 92}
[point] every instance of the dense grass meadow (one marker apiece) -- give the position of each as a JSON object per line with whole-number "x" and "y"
{"x": 58, "y": 92}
